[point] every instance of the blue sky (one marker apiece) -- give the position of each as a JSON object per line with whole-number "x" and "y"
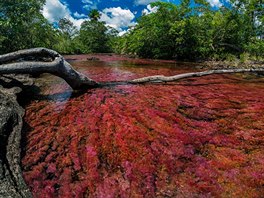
{"x": 119, "y": 14}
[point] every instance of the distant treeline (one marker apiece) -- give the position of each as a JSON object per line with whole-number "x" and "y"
{"x": 191, "y": 30}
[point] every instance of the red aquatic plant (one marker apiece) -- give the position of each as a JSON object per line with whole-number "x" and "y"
{"x": 195, "y": 138}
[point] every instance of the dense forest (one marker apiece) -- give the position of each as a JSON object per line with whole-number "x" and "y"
{"x": 191, "y": 30}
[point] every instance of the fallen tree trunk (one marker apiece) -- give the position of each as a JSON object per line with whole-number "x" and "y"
{"x": 161, "y": 78}
{"x": 42, "y": 60}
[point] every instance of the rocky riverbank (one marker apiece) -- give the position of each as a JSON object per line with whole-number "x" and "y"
{"x": 232, "y": 64}
{"x": 11, "y": 122}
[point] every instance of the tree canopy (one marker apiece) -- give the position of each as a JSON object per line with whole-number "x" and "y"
{"x": 191, "y": 30}
{"x": 197, "y": 32}
{"x": 22, "y": 25}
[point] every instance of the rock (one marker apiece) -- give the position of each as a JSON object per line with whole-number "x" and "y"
{"x": 93, "y": 58}
{"x": 11, "y": 181}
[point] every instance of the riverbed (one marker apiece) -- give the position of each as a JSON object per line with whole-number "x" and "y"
{"x": 198, "y": 137}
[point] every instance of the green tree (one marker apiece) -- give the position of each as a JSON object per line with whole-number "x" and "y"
{"x": 66, "y": 38}
{"x": 253, "y": 20}
{"x": 67, "y": 28}
{"x": 168, "y": 33}
{"x": 94, "y": 35}
{"x": 21, "y": 21}
{"x": 94, "y": 15}
{"x": 196, "y": 31}
{"x": 150, "y": 38}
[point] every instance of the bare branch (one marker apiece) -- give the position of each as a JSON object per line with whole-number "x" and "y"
{"x": 161, "y": 78}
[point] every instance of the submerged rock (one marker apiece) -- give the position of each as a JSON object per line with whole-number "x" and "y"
{"x": 93, "y": 58}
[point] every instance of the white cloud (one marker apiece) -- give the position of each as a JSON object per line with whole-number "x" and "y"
{"x": 122, "y": 33}
{"x": 90, "y": 7}
{"x": 54, "y": 10}
{"x": 87, "y": 1}
{"x": 215, "y": 3}
{"x": 78, "y": 15}
{"x": 144, "y": 2}
{"x": 77, "y": 22}
{"x": 117, "y": 17}
{"x": 149, "y": 10}
{"x": 89, "y": 4}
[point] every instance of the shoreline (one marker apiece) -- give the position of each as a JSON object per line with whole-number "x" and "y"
{"x": 206, "y": 64}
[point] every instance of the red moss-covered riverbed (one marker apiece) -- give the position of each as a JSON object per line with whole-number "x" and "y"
{"x": 200, "y": 137}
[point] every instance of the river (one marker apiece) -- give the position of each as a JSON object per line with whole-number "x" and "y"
{"x": 198, "y": 137}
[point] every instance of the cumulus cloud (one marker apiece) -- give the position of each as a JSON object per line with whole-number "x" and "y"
{"x": 117, "y": 18}
{"x": 54, "y": 10}
{"x": 215, "y": 3}
{"x": 149, "y": 10}
{"x": 89, "y": 5}
{"x": 144, "y": 2}
{"x": 78, "y": 15}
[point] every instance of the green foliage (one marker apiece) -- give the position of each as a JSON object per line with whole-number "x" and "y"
{"x": 94, "y": 37}
{"x": 21, "y": 22}
{"x": 191, "y": 30}
{"x": 197, "y": 32}
{"x": 22, "y": 25}
{"x": 256, "y": 48}
{"x": 66, "y": 38}
{"x": 150, "y": 37}
{"x": 230, "y": 57}
{"x": 94, "y": 15}
{"x": 67, "y": 28}
{"x": 244, "y": 57}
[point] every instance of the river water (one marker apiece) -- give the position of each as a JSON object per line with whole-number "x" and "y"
{"x": 199, "y": 137}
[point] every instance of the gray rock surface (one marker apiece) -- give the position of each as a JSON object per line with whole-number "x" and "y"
{"x": 11, "y": 121}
